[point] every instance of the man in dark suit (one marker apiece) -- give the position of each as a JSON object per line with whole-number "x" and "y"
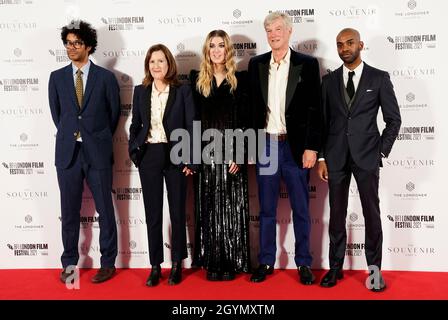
{"x": 85, "y": 103}
{"x": 351, "y": 97}
{"x": 285, "y": 102}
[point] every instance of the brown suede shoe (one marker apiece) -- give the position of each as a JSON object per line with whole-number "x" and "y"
{"x": 103, "y": 274}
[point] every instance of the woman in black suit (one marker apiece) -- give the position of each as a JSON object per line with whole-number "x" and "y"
{"x": 161, "y": 106}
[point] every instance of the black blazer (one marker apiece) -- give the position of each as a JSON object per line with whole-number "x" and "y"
{"x": 179, "y": 114}
{"x": 356, "y": 130}
{"x": 302, "y": 112}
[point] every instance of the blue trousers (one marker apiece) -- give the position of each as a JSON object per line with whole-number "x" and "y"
{"x": 296, "y": 180}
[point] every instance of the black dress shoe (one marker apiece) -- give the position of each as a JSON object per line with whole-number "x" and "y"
{"x": 175, "y": 274}
{"x": 376, "y": 286}
{"x": 103, "y": 274}
{"x": 154, "y": 276}
{"x": 228, "y": 275}
{"x": 214, "y": 276}
{"x": 261, "y": 272}
{"x": 65, "y": 274}
{"x": 306, "y": 275}
{"x": 331, "y": 278}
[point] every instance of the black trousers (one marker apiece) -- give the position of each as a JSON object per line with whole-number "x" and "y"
{"x": 155, "y": 166}
{"x": 339, "y": 183}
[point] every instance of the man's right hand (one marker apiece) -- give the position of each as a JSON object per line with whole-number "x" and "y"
{"x": 322, "y": 170}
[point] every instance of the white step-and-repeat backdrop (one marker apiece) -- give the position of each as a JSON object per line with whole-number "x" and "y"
{"x": 404, "y": 37}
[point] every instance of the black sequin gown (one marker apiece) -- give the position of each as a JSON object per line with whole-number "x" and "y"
{"x": 221, "y": 199}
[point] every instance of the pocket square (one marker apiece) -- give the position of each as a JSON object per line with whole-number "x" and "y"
{"x": 369, "y": 90}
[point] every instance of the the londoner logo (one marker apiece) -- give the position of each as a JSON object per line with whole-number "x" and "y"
{"x": 24, "y": 168}
{"x": 411, "y": 103}
{"x": 245, "y": 49}
{"x": 17, "y": 26}
{"x": 412, "y": 10}
{"x": 421, "y": 133}
{"x": 413, "y": 42}
{"x": 127, "y": 193}
{"x": 354, "y": 223}
{"x": 20, "y": 84}
{"x": 60, "y": 55}
{"x": 133, "y": 249}
{"x": 238, "y": 19}
{"x": 409, "y": 163}
{"x": 17, "y": 58}
{"x": 298, "y": 15}
{"x": 411, "y": 192}
{"x": 29, "y": 249}
{"x": 354, "y": 249}
{"x": 412, "y": 221}
{"x": 125, "y": 167}
{"x": 412, "y": 251}
{"x": 413, "y": 72}
{"x": 183, "y": 52}
{"x": 23, "y": 143}
{"x": 128, "y": 23}
{"x": 28, "y": 225}
{"x": 20, "y": 111}
{"x": 353, "y": 12}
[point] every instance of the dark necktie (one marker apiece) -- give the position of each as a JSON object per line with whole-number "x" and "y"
{"x": 350, "y": 85}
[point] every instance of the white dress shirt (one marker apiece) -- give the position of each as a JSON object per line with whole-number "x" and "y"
{"x": 158, "y": 104}
{"x": 356, "y": 76}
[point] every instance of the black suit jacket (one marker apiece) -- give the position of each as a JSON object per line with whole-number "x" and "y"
{"x": 356, "y": 130}
{"x": 302, "y": 111}
{"x": 179, "y": 114}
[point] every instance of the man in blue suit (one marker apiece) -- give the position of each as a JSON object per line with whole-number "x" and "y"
{"x": 85, "y": 102}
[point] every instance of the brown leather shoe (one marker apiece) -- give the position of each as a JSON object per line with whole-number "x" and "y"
{"x": 64, "y": 275}
{"x": 103, "y": 274}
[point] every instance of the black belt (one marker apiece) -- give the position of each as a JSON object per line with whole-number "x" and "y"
{"x": 277, "y": 137}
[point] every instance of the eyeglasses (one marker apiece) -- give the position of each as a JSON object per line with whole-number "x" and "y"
{"x": 75, "y": 44}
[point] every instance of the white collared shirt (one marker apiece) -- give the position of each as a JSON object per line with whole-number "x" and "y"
{"x": 356, "y": 76}
{"x": 278, "y": 80}
{"x": 158, "y": 104}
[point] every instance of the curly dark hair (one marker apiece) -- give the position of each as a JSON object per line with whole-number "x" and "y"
{"x": 83, "y": 30}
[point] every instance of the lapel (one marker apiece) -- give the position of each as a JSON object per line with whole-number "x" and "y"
{"x": 293, "y": 78}
{"x": 91, "y": 80}
{"x": 362, "y": 86}
{"x": 169, "y": 102}
{"x": 339, "y": 78}
{"x": 70, "y": 84}
{"x": 145, "y": 107}
{"x": 263, "y": 73}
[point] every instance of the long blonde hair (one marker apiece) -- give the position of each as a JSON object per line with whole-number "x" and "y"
{"x": 205, "y": 78}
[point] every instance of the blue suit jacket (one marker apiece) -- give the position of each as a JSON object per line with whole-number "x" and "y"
{"x": 96, "y": 120}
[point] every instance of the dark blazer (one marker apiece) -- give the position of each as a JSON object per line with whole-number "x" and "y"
{"x": 96, "y": 120}
{"x": 179, "y": 113}
{"x": 355, "y": 130}
{"x": 302, "y": 112}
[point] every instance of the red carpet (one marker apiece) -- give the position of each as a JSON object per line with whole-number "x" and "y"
{"x": 127, "y": 284}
